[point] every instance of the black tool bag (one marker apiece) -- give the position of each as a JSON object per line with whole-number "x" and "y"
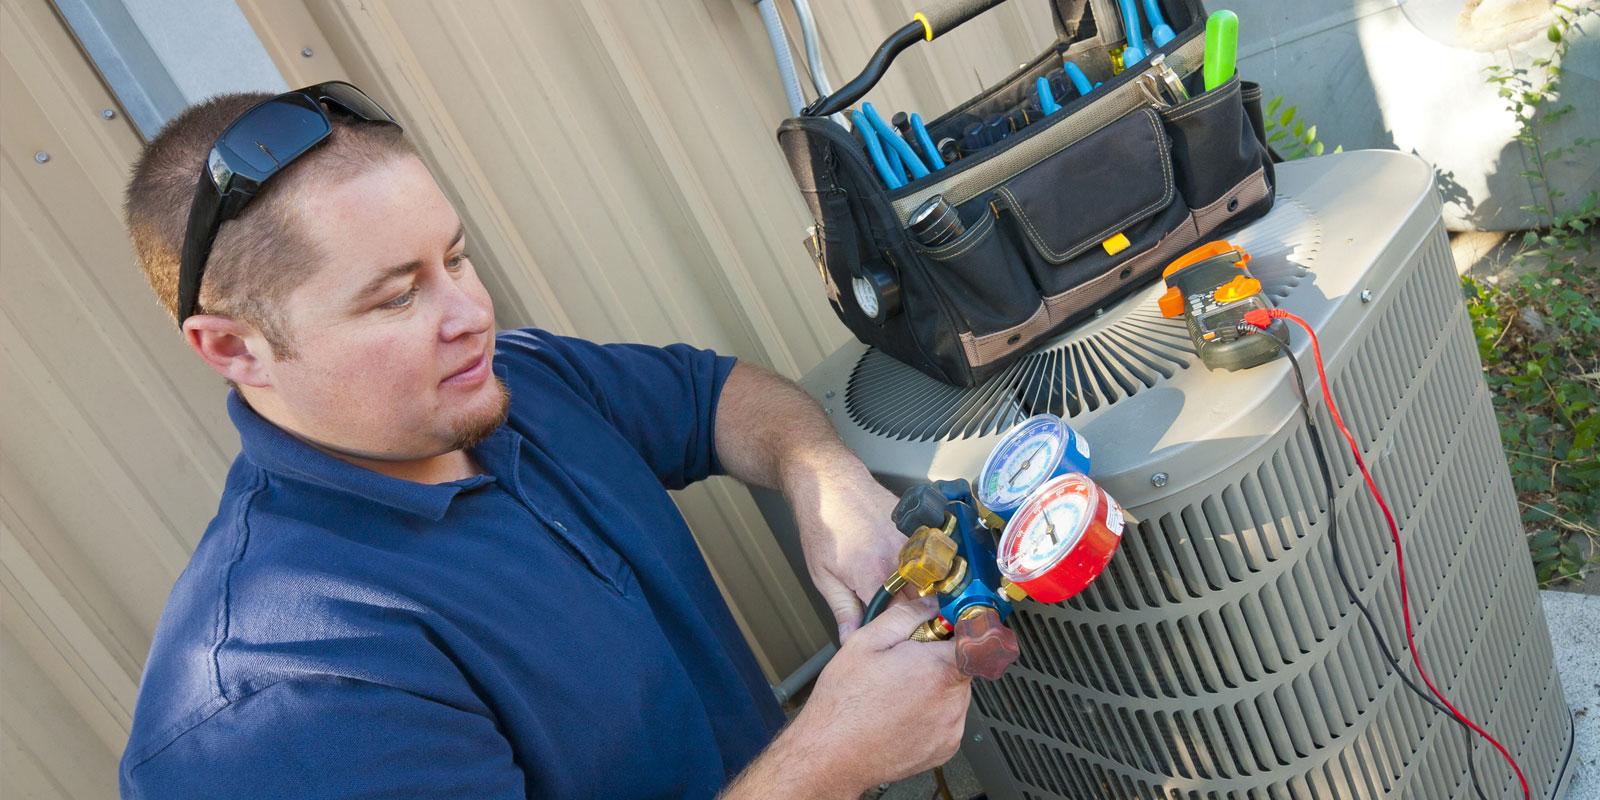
{"x": 1063, "y": 217}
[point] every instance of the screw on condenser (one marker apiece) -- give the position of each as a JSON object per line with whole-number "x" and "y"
{"x": 41, "y": 157}
{"x": 1366, "y": 295}
{"x": 828, "y": 394}
{"x": 1158, "y": 480}
{"x": 306, "y": 52}
{"x": 977, "y": 737}
{"x": 827, "y": 411}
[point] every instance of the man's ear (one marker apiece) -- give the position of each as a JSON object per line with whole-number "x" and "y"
{"x": 236, "y": 351}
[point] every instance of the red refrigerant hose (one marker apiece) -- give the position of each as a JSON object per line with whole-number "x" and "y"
{"x": 1260, "y": 319}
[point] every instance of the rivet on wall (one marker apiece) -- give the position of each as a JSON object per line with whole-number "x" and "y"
{"x": 306, "y": 52}
{"x": 41, "y": 157}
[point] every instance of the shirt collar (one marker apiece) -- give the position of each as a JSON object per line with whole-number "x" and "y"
{"x": 272, "y": 448}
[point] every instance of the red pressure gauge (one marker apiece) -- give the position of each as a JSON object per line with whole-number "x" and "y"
{"x": 1061, "y": 538}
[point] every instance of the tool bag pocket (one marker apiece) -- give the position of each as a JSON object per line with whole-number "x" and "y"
{"x": 1096, "y": 204}
{"x": 1215, "y": 142}
{"x": 983, "y": 277}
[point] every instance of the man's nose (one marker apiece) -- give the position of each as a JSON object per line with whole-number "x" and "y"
{"x": 468, "y": 310}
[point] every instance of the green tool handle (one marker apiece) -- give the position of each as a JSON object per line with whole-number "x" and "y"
{"x": 1222, "y": 43}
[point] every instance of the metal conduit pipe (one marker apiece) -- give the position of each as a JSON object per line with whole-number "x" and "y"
{"x": 819, "y": 74}
{"x": 808, "y": 32}
{"x": 807, "y": 673}
{"x": 780, "y": 51}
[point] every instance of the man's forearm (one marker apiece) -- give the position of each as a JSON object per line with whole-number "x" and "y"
{"x": 793, "y": 766}
{"x": 770, "y": 433}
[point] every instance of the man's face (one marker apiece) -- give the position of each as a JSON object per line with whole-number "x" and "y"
{"x": 394, "y": 334}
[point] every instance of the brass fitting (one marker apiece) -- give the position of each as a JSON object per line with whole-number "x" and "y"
{"x": 990, "y": 520}
{"x": 930, "y": 631}
{"x": 895, "y": 583}
{"x": 958, "y": 576}
{"x": 1013, "y": 592}
{"x": 928, "y": 557}
{"x": 972, "y": 612}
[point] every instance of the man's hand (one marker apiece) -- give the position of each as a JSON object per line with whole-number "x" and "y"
{"x": 849, "y": 543}
{"x": 885, "y": 708}
{"x": 770, "y": 433}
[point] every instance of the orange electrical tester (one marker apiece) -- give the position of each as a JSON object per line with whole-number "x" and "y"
{"x": 1212, "y": 289}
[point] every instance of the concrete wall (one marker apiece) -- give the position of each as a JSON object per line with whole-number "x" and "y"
{"x": 1410, "y": 76}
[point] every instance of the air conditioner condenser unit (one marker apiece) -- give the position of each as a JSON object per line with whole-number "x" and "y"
{"x": 1219, "y": 656}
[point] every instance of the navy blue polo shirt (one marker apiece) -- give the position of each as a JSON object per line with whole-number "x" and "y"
{"x": 545, "y": 629}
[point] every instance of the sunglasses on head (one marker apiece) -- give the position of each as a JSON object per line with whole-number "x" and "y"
{"x": 256, "y": 146}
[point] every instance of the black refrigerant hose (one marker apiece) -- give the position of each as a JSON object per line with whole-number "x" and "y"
{"x": 1338, "y": 562}
{"x": 880, "y": 601}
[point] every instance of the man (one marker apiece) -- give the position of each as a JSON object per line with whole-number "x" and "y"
{"x": 445, "y": 563}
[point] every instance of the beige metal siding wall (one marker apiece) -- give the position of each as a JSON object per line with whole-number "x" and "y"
{"x": 113, "y": 445}
{"x": 616, "y": 166}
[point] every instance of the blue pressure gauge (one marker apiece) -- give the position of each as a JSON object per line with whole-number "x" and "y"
{"x": 1037, "y": 449}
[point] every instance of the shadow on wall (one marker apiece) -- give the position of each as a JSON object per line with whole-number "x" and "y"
{"x": 1382, "y": 74}
{"x": 1309, "y": 52}
{"x": 1451, "y": 192}
{"x": 1573, "y": 174}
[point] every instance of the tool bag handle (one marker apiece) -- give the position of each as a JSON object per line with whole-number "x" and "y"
{"x": 953, "y": 13}
{"x": 924, "y": 26}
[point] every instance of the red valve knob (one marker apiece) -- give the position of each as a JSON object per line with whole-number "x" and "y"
{"x": 984, "y": 647}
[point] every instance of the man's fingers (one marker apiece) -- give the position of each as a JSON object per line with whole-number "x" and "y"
{"x": 909, "y": 593}
{"x": 846, "y": 610}
{"x": 895, "y": 624}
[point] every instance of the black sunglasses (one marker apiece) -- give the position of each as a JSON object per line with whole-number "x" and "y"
{"x": 256, "y": 146}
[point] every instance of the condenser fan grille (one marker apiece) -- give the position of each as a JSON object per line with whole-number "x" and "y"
{"x": 1101, "y": 363}
{"x": 1218, "y": 650}
{"x": 1065, "y": 379}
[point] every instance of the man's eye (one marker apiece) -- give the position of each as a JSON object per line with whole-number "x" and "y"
{"x": 455, "y": 264}
{"x": 403, "y": 300}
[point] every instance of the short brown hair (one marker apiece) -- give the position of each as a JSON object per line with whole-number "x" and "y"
{"x": 260, "y": 256}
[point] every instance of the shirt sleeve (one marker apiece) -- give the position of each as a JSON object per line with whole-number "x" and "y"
{"x": 333, "y": 737}
{"x": 662, "y": 400}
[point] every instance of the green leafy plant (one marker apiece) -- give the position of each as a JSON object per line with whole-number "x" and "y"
{"x": 1535, "y": 101}
{"x": 1540, "y": 336}
{"x": 1540, "y": 342}
{"x": 1289, "y": 135}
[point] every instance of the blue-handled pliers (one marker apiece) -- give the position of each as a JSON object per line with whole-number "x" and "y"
{"x": 924, "y": 141}
{"x": 1160, "y": 31}
{"x": 875, "y": 151}
{"x": 891, "y": 141}
{"x": 1130, "y": 23}
{"x": 1079, "y": 80}
{"x": 1047, "y": 103}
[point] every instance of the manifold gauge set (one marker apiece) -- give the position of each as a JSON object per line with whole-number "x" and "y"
{"x": 1061, "y": 538}
{"x": 1032, "y": 452}
{"x": 1060, "y": 529}
{"x": 1033, "y": 525}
